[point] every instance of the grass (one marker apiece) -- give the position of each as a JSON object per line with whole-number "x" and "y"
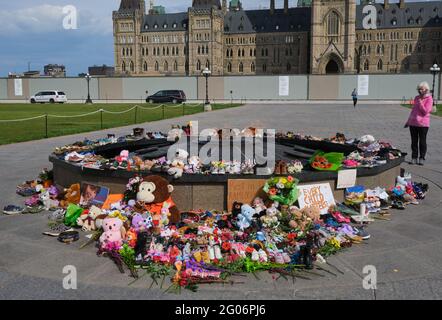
{"x": 438, "y": 113}
{"x": 36, "y": 129}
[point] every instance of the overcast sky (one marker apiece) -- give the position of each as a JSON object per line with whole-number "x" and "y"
{"x": 32, "y": 32}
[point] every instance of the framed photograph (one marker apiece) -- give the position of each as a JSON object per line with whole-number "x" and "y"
{"x": 92, "y": 195}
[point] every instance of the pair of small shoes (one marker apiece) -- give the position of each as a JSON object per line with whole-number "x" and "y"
{"x": 397, "y": 204}
{"x": 281, "y": 167}
{"x": 56, "y": 229}
{"x": 13, "y": 209}
{"x": 360, "y": 232}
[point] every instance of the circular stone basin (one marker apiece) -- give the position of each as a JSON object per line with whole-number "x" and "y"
{"x": 218, "y": 191}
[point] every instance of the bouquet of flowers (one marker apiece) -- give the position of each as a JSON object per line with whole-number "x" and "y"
{"x": 132, "y": 189}
{"x": 282, "y": 189}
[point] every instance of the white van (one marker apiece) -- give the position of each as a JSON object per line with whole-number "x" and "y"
{"x": 50, "y": 97}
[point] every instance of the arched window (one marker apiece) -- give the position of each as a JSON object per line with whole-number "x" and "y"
{"x": 131, "y": 52}
{"x": 380, "y": 65}
{"x": 243, "y": 53}
{"x": 227, "y": 53}
{"x": 164, "y": 51}
{"x": 145, "y": 66}
{"x": 262, "y": 52}
{"x": 252, "y": 67}
{"x": 175, "y": 66}
{"x": 123, "y": 66}
{"x": 207, "y": 49}
{"x": 177, "y": 50}
{"x": 289, "y": 67}
{"x": 264, "y": 68}
{"x": 229, "y": 67}
{"x": 406, "y": 49}
{"x": 199, "y": 50}
{"x": 208, "y": 64}
{"x": 123, "y": 52}
{"x": 254, "y": 52}
{"x": 251, "y": 52}
{"x": 173, "y": 51}
{"x": 239, "y": 52}
{"x": 241, "y": 67}
{"x": 198, "y": 65}
{"x": 157, "y": 66}
{"x": 366, "y": 65}
{"x": 166, "y": 66}
{"x": 231, "y": 52}
{"x": 333, "y": 26}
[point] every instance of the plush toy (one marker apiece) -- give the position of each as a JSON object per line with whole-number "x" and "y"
{"x": 141, "y": 222}
{"x": 131, "y": 238}
{"x": 114, "y": 232}
{"x": 236, "y": 208}
{"x": 244, "y": 219}
{"x": 259, "y": 205}
{"x": 124, "y": 156}
{"x": 270, "y": 219}
{"x": 174, "y": 134}
{"x": 70, "y": 195}
{"x": 178, "y": 163}
{"x": 154, "y": 193}
{"x": 45, "y": 198}
{"x": 87, "y": 220}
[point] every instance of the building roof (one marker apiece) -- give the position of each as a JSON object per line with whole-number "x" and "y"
{"x": 414, "y": 14}
{"x": 129, "y": 5}
{"x": 261, "y": 21}
{"x": 165, "y": 22}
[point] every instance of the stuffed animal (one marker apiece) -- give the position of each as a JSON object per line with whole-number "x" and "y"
{"x": 154, "y": 193}
{"x": 114, "y": 232}
{"x": 87, "y": 220}
{"x": 178, "y": 163}
{"x": 244, "y": 219}
{"x": 174, "y": 135}
{"x": 236, "y": 208}
{"x": 259, "y": 205}
{"x": 45, "y": 198}
{"x": 131, "y": 238}
{"x": 270, "y": 219}
{"x": 70, "y": 195}
{"x": 141, "y": 222}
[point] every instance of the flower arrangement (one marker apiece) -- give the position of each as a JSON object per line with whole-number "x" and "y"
{"x": 282, "y": 189}
{"x": 132, "y": 188}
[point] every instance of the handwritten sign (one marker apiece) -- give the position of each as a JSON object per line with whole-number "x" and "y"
{"x": 244, "y": 190}
{"x": 316, "y": 195}
{"x": 346, "y": 178}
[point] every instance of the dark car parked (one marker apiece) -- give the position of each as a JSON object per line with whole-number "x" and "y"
{"x": 164, "y": 96}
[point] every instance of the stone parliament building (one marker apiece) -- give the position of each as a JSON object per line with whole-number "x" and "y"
{"x": 316, "y": 37}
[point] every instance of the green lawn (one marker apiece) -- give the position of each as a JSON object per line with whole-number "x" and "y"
{"x": 36, "y": 129}
{"x": 438, "y": 113}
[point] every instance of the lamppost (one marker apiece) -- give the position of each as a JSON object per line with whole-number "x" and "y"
{"x": 435, "y": 69}
{"x": 206, "y": 74}
{"x": 88, "y": 79}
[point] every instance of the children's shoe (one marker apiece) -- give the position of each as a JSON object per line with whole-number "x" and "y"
{"x": 56, "y": 229}
{"x": 218, "y": 254}
{"x": 360, "y": 232}
{"x": 12, "y": 209}
{"x": 255, "y": 255}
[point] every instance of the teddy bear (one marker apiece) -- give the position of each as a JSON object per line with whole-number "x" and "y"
{"x": 236, "y": 208}
{"x": 114, "y": 232}
{"x": 244, "y": 219}
{"x": 271, "y": 217}
{"x": 178, "y": 163}
{"x": 259, "y": 205}
{"x": 154, "y": 194}
{"x": 70, "y": 195}
{"x": 87, "y": 220}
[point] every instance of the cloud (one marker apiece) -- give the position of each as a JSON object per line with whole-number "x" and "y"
{"x": 48, "y": 18}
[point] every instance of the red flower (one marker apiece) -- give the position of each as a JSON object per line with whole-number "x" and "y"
{"x": 249, "y": 249}
{"x": 291, "y": 236}
{"x": 290, "y": 179}
{"x": 226, "y": 246}
{"x": 272, "y": 191}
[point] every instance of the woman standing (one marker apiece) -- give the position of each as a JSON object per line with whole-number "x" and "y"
{"x": 419, "y": 123}
{"x": 354, "y": 95}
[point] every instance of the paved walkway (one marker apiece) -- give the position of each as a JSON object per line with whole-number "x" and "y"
{"x": 406, "y": 251}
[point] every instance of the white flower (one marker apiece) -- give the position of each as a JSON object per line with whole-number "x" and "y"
{"x": 280, "y": 185}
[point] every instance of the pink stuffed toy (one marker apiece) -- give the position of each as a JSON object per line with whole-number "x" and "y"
{"x": 113, "y": 232}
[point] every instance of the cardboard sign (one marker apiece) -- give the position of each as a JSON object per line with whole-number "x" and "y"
{"x": 316, "y": 195}
{"x": 284, "y": 83}
{"x": 244, "y": 190}
{"x": 346, "y": 178}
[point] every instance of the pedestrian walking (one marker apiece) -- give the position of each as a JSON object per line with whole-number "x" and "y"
{"x": 354, "y": 95}
{"x": 419, "y": 123}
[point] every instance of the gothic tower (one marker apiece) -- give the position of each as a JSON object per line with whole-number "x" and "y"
{"x": 127, "y": 27}
{"x": 206, "y": 31}
{"x": 333, "y": 36}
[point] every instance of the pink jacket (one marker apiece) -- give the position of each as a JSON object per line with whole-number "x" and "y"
{"x": 420, "y": 114}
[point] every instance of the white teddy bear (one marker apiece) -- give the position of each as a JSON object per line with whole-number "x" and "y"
{"x": 178, "y": 163}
